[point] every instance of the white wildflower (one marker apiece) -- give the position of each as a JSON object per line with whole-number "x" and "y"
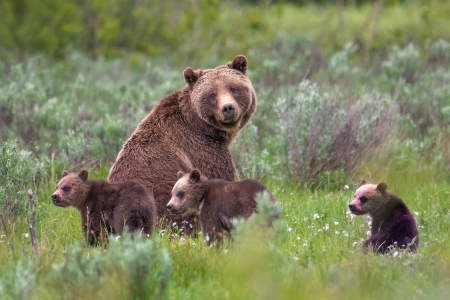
{"x": 346, "y": 187}
{"x": 316, "y": 216}
{"x": 289, "y": 229}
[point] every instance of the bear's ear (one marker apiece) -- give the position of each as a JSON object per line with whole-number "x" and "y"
{"x": 239, "y": 63}
{"x": 180, "y": 174}
{"x": 191, "y": 76}
{"x": 65, "y": 173}
{"x": 83, "y": 175}
{"x": 362, "y": 182}
{"x": 382, "y": 187}
{"x": 195, "y": 175}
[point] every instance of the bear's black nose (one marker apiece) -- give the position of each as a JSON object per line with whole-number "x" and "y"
{"x": 169, "y": 206}
{"x": 54, "y": 197}
{"x": 351, "y": 206}
{"x": 228, "y": 110}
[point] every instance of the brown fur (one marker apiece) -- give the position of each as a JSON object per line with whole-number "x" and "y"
{"x": 216, "y": 201}
{"x": 392, "y": 222}
{"x": 190, "y": 128}
{"x": 106, "y": 207}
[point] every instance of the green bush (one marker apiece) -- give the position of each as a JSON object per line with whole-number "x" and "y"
{"x": 19, "y": 171}
{"x": 19, "y": 280}
{"x": 323, "y": 131}
{"x": 128, "y": 269}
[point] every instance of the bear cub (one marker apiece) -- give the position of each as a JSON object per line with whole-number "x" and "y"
{"x": 216, "y": 201}
{"x": 392, "y": 222}
{"x": 106, "y": 208}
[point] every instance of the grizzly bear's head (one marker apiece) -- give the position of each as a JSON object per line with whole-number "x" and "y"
{"x": 369, "y": 198}
{"x": 187, "y": 193}
{"x": 222, "y": 97}
{"x": 71, "y": 190}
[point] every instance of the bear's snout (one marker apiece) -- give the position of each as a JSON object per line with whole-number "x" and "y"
{"x": 352, "y": 207}
{"x": 169, "y": 206}
{"x": 229, "y": 111}
{"x": 55, "y": 197}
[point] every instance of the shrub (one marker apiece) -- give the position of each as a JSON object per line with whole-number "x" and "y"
{"x": 19, "y": 280}
{"x": 18, "y": 172}
{"x": 324, "y": 132}
{"x": 127, "y": 269}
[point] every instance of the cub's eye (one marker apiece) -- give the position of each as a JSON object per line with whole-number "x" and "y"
{"x": 363, "y": 199}
{"x": 66, "y": 188}
{"x": 232, "y": 89}
{"x": 212, "y": 97}
{"x": 180, "y": 194}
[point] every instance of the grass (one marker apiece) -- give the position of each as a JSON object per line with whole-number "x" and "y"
{"x": 313, "y": 252}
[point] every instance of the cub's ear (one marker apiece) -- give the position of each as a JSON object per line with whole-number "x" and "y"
{"x": 65, "y": 173}
{"x": 239, "y": 63}
{"x": 195, "y": 175}
{"x": 382, "y": 187}
{"x": 180, "y": 174}
{"x": 83, "y": 175}
{"x": 362, "y": 182}
{"x": 191, "y": 76}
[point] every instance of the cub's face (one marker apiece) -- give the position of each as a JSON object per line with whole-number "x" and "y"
{"x": 71, "y": 189}
{"x": 186, "y": 195}
{"x": 368, "y": 198}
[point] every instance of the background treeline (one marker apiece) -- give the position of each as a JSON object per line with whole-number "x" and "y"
{"x": 205, "y": 29}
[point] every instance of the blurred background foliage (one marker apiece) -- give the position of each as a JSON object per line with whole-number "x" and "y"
{"x": 211, "y": 29}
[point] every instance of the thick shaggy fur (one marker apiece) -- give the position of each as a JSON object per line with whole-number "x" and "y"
{"x": 190, "y": 128}
{"x": 216, "y": 201}
{"x": 392, "y": 222}
{"x": 106, "y": 207}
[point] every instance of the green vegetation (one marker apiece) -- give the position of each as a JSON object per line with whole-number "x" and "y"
{"x": 344, "y": 92}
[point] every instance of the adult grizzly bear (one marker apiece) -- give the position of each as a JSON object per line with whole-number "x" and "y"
{"x": 392, "y": 222}
{"x": 190, "y": 128}
{"x": 106, "y": 208}
{"x": 216, "y": 201}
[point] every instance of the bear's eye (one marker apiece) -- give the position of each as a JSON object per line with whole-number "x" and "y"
{"x": 66, "y": 188}
{"x": 232, "y": 89}
{"x": 180, "y": 194}
{"x": 212, "y": 97}
{"x": 363, "y": 199}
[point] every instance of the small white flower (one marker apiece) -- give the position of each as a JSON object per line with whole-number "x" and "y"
{"x": 295, "y": 258}
{"x": 354, "y": 244}
{"x": 395, "y": 253}
{"x": 305, "y": 244}
{"x": 345, "y": 233}
{"x": 225, "y": 251}
{"x": 298, "y": 238}
{"x": 368, "y": 232}
{"x": 316, "y": 216}
{"x": 327, "y": 226}
{"x": 25, "y": 235}
{"x": 336, "y": 223}
{"x": 289, "y": 229}
{"x": 117, "y": 237}
{"x": 416, "y": 213}
{"x": 324, "y": 249}
{"x": 182, "y": 240}
{"x": 337, "y": 232}
{"x": 346, "y": 187}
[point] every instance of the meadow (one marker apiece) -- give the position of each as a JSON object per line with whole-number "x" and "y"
{"x": 326, "y": 117}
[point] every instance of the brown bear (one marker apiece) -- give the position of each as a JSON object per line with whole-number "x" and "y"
{"x": 216, "y": 201}
{"x": 393, "y": 225}
{"x": 190, "y": 128}
{"x": 106, "y": 207}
